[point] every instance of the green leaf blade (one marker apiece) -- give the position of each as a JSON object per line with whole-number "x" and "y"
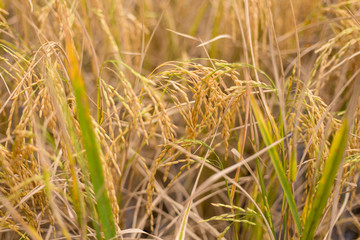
{"x": 275, "y": 159}
{"x": 326, "y": 181}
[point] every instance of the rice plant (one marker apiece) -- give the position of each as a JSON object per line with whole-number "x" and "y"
{"x": 224, "y": 119}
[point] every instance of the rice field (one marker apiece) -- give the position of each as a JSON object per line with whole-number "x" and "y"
{"x": 192, "y": 119}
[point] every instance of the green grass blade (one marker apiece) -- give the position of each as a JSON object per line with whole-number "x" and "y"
{"x": 91, "y": 146}
{"x": 275, "y": 159}
{"x": 264, "y": 197}
{"x": 182, "y": 231}
{"x": 326, "y": 181}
